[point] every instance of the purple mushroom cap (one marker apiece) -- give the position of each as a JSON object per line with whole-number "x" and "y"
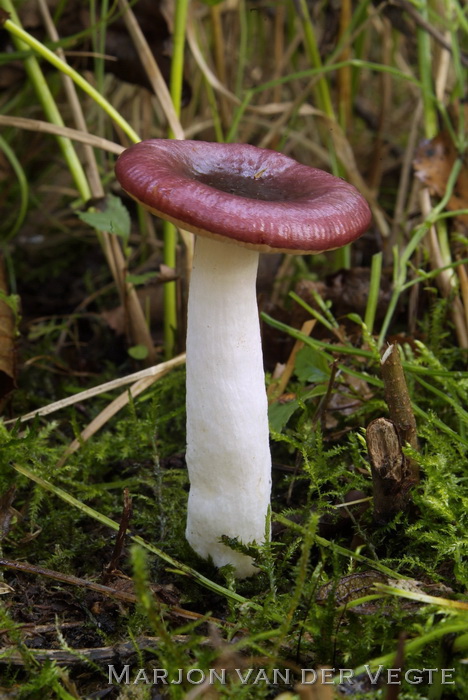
{"x": 252, "y": 196}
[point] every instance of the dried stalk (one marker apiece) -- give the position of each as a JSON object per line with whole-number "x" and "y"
{"x": 393, "y": 473}
{"x": 138, "y": 329}
{"x": 399, "y": 405}
{"x": 388, "y": 472}
{"x": 446, "y": 279}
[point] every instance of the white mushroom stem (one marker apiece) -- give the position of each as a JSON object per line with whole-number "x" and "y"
{"x": 228, "y": 453}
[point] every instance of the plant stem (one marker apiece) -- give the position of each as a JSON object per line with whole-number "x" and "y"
{"x": 176, "y": 566}
{"x": 322, "y": 92}
{"x": 387, "y": 466}
{"x": 374, "y": 286}
{"x": 401, "y": 262}
{"x": 170, "y": 234}
{"x": 399, "y": 406}
{"x": 110, "y": 245}
{"x": 99, "y": 29}
{"x": 21, "y": 210}
{"x": 47, "y": 101}
{"x": 415, "y": 645}
{"x": 243, "y": 48}
{"x": 425, "y": 65}
{"x": 342, "y": 256}
{"x": 78, "y": 79}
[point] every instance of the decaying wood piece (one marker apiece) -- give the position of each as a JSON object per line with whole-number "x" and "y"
{"x": 399, "y": 405}
{"x": 393, "y": 473}
{"x": 116, "y": 652}
{"x": 388, "y": 468}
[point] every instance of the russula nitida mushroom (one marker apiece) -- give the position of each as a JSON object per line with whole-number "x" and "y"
{"x": 240, "y": 200}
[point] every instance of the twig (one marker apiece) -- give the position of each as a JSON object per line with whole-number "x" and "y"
{"x": 399, "y": 405}
{"x": 98, "y": 654}
{"x": 120, "y": 539}
{"x": 107, "y": 591}
{"x": 432, "y": 31}
{"x": 69, "y": 579}
{"x": 393, "y": 474}
{"x": 32, "y": 628}
{"x": 325, "y": 400}
{"x": 387, "y": 464}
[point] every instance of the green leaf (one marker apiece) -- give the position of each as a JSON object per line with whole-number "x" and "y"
{"x": 355, "y": 318}
{"x": 114, "y": 219}
{"x": 141, "y": 279}
{"x": 280, "y": 413}
{"x": 311, "y": 366}
{"x": 138, "y": 352}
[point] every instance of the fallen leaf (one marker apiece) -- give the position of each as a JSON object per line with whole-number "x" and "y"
{"x": 433, "y": 162}
{"x": 353, "y": 587}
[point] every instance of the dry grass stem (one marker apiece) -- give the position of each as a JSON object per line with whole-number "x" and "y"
{"x": 203, "y": 65}
{"x": 154, "y": 372}
{"x": 446, "y": 279}
{"x": 56, "y": 130}
{"x": 278, "y": 385}
{"x": 91, "y": 168}
{"x": 347, "y": 157}
{"x": 115, "y": 406}
{"x": 386, "y": 89}
{"x": 137, "y": 327}
{"x": 220, "y": 61}
{"x": 404, "y": 182}
{"x": 344, "y": 74}
{"x": 152, "y": 69}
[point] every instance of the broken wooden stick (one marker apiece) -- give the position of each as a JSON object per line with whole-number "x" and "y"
{"x": 393, "y": 472}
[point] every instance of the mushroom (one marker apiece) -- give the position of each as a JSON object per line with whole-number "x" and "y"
{"x": 239, "y": 200}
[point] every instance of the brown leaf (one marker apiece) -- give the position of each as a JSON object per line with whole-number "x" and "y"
{"x": 7, "y": 343}
{"x": 433, "y": 163}
{"x": 150, "y": 298}
{"x": 352, "y": 587}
